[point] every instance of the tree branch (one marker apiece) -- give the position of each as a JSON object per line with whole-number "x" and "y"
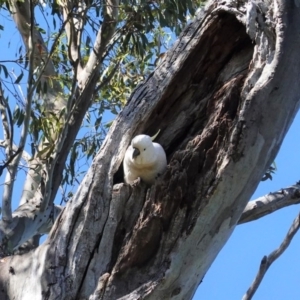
{"x": 103, "y": 38}
{"x": 73, "y": 30}
{"x": 268, "y": 260}
{"x": 25, "y": 155}
{"x": 28, "y": 221}
{"x": 269, "y": 203}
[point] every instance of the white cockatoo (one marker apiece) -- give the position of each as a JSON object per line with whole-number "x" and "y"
{"x": 144, "y": 159}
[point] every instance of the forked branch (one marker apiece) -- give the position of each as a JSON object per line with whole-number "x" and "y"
{"x": 268, "y": 260}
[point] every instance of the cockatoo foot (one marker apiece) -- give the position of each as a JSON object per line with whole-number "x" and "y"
{"x": 136, "y": 182}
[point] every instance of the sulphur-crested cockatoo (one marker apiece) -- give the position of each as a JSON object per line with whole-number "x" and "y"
{"x": 144, "y": 159}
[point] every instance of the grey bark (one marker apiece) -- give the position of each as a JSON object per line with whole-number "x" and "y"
{"x": 269, "y": 203}
{"x": 223, "y": 97}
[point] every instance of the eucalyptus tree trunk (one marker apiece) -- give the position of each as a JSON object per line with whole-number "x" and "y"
{"x": 223, "y": 98}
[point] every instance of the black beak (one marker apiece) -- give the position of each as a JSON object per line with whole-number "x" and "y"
{"x": 135, "y": 153}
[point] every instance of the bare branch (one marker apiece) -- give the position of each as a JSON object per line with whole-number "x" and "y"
{"x": 9, "y": 160}
{"x": 269, "y": 203}
{"x": 268, "y": 260}
{"x": 74, "y": 27}
{"x": 104, "y": 36}
{"x": 28, "y": 221}
{"x": 22, "y": 97}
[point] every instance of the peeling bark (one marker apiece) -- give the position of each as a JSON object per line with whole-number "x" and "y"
{"x": 223, "y": 98}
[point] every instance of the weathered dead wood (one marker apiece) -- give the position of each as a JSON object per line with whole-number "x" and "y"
{"x": 269, "y": 203}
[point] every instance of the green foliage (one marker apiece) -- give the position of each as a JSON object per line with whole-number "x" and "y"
{"x": 18, "y": 116}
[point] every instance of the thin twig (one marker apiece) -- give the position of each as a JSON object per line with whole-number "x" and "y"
{"x": 17, "y": 61}
{"x": 9, "y": 160}
{"x": 10, "y": 87}
{"x": 25, "y": 155}
{"x": 268, "y": 260}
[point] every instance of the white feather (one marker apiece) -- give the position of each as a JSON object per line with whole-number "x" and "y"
{"x": 148, "y": 164}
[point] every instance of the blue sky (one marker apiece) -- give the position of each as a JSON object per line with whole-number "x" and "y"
{"x": 238, "y": 262}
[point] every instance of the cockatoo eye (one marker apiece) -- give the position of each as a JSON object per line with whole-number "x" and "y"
{"x": 144, "y": 149}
